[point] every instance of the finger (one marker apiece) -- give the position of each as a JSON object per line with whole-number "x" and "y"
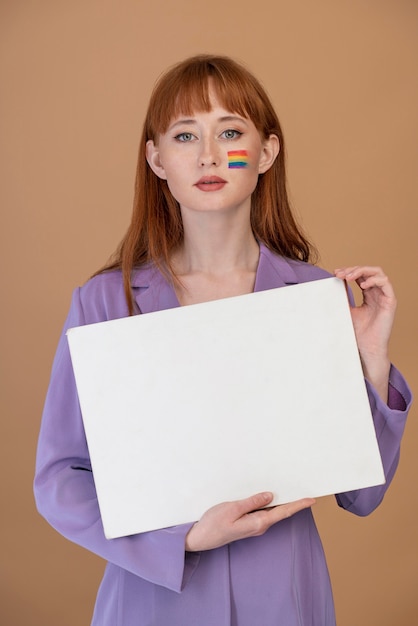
{"x": 247, "y": 505}
{"x": 356, "y": 271}
{"x": 378, "y": 280}
{"x": 257, "y": 522}
{"x": 367, "y": 277}
{"x": 282, "y": 511}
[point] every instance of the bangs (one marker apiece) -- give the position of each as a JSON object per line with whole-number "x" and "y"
{"x": 184, "y": 90}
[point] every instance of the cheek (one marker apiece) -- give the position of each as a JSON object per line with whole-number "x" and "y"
{"x": 177, "y": 180}
{"x": 173, "y": 171}
{"x": 237, "y": 159}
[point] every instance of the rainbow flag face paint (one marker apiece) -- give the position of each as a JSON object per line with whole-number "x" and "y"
{"x": 237, "y": 158}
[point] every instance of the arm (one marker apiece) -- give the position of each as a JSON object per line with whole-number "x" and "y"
{"x": 373, "y": 322}
{"x": 65, "y": 492}
{"x": 389, "y": 421}
{"x": 66, "y": 496}
{"x": 389, "y": 395}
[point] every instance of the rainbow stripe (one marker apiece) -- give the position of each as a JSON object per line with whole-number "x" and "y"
{"x": 238, "y": 158}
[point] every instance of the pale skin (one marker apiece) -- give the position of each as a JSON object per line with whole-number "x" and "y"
{"x": 219, "y": 258}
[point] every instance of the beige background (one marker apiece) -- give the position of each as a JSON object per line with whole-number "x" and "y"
{"x": 75, "y": 80}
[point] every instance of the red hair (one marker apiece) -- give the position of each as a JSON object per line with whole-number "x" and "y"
{"x": 156, "y": 228}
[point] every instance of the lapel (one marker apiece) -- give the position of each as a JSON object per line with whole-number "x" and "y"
{"x": 152, "y": 291}
{"x": 273, "y": 271}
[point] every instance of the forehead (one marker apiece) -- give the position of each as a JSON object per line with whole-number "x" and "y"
{"x": 201, "y": 97}
{"x": 216, "y": 114}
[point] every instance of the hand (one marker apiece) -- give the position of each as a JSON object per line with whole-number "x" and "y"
{"x": 373, "y": 321}
{"x": 240, "y": 519}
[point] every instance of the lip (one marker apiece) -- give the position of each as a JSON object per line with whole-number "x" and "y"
{"x": 210, "y": 183}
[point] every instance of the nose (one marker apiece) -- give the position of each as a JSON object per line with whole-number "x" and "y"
{"x": 209, "y": 152}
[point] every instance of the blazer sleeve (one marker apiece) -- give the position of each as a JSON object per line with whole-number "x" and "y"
{"x": 389, "y": 422}
{"x": 64, "y": 487}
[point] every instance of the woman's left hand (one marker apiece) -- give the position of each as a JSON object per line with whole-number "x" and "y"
{"x": 373, "y": 321}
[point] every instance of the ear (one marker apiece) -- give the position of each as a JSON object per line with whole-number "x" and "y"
{"x": 271, "y": 148}
{"x": 154, "y": 161}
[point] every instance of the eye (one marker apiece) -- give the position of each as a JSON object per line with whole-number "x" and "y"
{"x": 184, "y": 137}
{"x": 230, "y": 133}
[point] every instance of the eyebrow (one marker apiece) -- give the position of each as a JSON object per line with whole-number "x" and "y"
{"x": 224, "y": 118}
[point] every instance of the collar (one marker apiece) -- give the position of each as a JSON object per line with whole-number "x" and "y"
{"x": 153, "y": 292}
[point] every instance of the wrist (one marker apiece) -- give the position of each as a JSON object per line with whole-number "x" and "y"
{"x": 376, "y": 370}
{"x": 190, "y": 545}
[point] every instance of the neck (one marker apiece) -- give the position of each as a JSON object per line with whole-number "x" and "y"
{"x": 216, "y": 244}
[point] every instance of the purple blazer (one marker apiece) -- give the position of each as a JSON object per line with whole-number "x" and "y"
{"x": 279, "y": 579}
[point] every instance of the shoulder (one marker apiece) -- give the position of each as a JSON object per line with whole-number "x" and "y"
{"x": 102, "y": 297}
{"x": 306, "y": 272}
{"x": 290, "y": 271}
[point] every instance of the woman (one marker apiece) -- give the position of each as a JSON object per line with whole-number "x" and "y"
{"x": 211, "y": 220}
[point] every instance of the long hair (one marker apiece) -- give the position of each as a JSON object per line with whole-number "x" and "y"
{"x": 156, "y": 227}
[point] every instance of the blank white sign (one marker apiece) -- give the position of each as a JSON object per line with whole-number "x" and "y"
{"x": 192, "y": 406}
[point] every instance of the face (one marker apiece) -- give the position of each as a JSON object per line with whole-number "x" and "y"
{"x": 211, "y": 160}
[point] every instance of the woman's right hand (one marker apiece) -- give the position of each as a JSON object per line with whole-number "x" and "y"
{"x": 240, "y": 519}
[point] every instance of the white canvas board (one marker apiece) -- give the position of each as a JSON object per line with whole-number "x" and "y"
{"x": 196, "y": 405}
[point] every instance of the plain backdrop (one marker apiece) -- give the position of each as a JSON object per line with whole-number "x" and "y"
{"x": 75, "y": 81}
